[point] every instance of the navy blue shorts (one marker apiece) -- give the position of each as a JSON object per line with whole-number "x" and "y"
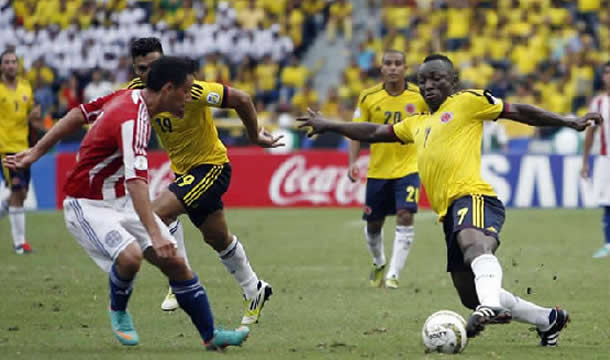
{"x": 485, "y": 213}
{"x": 200, "y": 190}
{"x": 385, "y": 196}
{"x": 15, "y": 180}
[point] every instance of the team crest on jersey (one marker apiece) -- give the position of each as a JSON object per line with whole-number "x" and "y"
{"x": 410, "y": 108}
{"x": 368, "y": 210}
{"x": 140, "y": 163}
{"x": 446, "y": 117}
{"x": 213, "y": 98}
{"x": 25, "y": 98}
{"x": 113, "y": 238}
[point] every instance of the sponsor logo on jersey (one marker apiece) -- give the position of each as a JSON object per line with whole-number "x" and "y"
{"x": 213, "y": 98}
{"x": 140, "y": 163}
{"x": 410, "y": 108}
{"x": 446, "y": 117}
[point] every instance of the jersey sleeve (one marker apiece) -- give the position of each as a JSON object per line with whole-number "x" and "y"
{"x": 93, "y": 109}
{"x": 484, "y": 105}
{"x": 594, "y": 106}
{"x": 361, "y": 114}
{"x": 133, "y": 142}
{"x": 403, "y": 130}
{"x": 209, "y": 94}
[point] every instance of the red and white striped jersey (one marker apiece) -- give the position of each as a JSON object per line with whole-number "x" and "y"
{"x": 114, "y": 150}
{"x": 601, "y": 104}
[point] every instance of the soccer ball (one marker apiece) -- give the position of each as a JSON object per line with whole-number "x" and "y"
{"x": 444, "y": 332}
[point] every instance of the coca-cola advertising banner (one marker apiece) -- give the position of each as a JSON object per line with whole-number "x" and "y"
{"x": 319, "y": 178}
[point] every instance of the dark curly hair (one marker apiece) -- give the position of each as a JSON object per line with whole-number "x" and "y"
{"x": 145, "y": 46}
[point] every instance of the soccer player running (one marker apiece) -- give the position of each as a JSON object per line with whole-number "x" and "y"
{"x": 17, "y": 114}
{"x": 601, "y": 104}
{"x": 203, "y": 173}
{"x": 392, "y": 184}
{"x": 448, "y": 141}
{"x": 108, "y": 209}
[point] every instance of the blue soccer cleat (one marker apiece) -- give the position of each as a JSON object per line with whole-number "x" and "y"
{"x": 225, "y": 338}
{"x": 122, "y": 327}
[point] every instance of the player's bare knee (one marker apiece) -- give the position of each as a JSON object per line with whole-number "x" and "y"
{"x": 404, "y": 217}
{"x": 175, "y": 268}
{"x": 374, "y": 227}
{"x": 129, "y": 261}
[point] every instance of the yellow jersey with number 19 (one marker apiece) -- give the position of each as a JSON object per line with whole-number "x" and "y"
{"x": 15, "y": 106}
{"x": 448, "y": 144}
{"x": 376, "y": 105}
{"x": 192, "y": 140}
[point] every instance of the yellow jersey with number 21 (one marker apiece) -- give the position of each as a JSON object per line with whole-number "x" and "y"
{"x": 448, "y": 144}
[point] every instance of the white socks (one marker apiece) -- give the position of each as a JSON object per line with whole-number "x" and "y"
{"x": 235, "y": 260}
{"x": 525, "y": 311}
{"x": 16, "y": 216}
{"x": 487, "y": 279}
{"x": 402, "y": 244}
{"x": 375, "y": 243}
{"x": 177, "y": 231}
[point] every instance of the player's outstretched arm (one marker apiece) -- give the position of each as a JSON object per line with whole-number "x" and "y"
{"x": 361, "y": 131}
{"x": 535, "y": 116}
{"x": 584, "y": 171}
{"x": 71, "y": 122}
{"x": 242, "y": 103}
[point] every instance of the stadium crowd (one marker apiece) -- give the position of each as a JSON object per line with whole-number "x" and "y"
{"x": 545, "y": 52}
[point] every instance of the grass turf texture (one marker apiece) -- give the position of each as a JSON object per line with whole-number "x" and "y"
{"x": 54, "y": 301}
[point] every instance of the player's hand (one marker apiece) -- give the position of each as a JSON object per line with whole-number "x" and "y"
{"x": 590, "y": 119}
{"x": 353, "y": 173}
{"x": 584, "y": 171}
{"x": 163, "y": 247}
{"x": 35, "y": 114}
{"x": 315, "y": 121}
{"x": 21, "y": 160}
{"x": 266, "y": 140}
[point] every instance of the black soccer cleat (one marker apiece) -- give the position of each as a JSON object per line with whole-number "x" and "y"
{"x": 561, "y": 320}
{"x": 484, "y": 315}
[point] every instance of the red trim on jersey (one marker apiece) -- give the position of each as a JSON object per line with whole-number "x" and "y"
{"x": 604, "y": 143}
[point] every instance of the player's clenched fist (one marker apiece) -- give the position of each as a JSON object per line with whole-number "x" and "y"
{"x": 590, "y": 119}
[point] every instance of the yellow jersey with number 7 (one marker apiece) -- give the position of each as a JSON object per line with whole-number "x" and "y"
{"x": 192, "y": 140}
{"x": 448, "y": 144}
{"x": 15, "y": 105}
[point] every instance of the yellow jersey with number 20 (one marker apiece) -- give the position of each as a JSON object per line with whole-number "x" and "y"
{"x": 15, "y": 106}
{"x": 192, "y": 140}
{"x": 376, "y": 105}
{"x": 448, "y": 144}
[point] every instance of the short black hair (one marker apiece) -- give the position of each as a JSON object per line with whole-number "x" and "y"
{"x": 9, "y": 50}
{"x": 394, "y": 51}
{"x": 166, "y": 69}
{"x": 439, "y": 57}
{"x": 144, "y": 46}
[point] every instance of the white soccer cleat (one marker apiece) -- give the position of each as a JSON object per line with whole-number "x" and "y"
{"x": 170, "y": 303}
{"x": 254, "y": 306}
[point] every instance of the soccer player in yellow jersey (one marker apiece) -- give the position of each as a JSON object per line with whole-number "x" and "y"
{"x": 448, "y": 141}
{"x": 17, "y": 113}
{"x": 392, "y": 184}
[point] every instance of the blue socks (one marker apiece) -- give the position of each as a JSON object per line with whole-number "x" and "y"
{"x": 606, "y": 222}
{"x": 120, "y": 290}
{"x": 193, "y": 300}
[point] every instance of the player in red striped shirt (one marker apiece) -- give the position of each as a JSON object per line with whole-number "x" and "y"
{"x": 108, "y": 209}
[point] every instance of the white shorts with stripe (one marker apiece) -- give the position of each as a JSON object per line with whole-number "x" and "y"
{"x": 104, "y": 228}
{"x": 601, "y": 180}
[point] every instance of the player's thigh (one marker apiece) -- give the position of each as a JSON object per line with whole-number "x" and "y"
{"x": 130, "y": 221}
{"x": 201, "y": 189}
{"x": 379, "y": 200}
{"x": 167, "y": 206}
{"x": 406, "y": 192}
{"x": 463, "y": 281}
{"x": 601, "y": 177}
{"x": 215, "y": 230}
{"x": 97, "y": 229}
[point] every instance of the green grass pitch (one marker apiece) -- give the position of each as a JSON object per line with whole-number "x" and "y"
{"x": 54, "y": 302}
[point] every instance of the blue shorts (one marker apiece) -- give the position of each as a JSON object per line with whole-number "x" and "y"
{"x": 15, "y": 180}
{"x": 485, "y": 213}
{"x": 385, "y": 196}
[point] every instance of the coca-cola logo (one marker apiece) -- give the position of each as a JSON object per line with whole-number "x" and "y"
{"x": 159, "y": 179}
{"x": 294, "y": 182}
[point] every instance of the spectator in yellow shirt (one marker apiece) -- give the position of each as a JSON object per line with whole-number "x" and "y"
{"x": 458, "y": 25}
{"x": 293, "y": 78}
{"x": 340, "y": 16}
{"x": 331, "y": 107}
{"x": 266, "y": 80}
{"x": 250, "y": 16}
{"x": 307, "y": 97}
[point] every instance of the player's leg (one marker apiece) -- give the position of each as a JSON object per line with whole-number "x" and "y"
{"x": 604, "y": 251}
{"x": 601, "y": 175}
{"x": 168, "y": 208}
{"x": 96, "y": 228}
{"x": 378, "y": 202}
{"x": 18, "y": 182}
{"x": 189, "y": 292}
{"x": 4, "y": 179}
{"x": 406, "y": 192}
